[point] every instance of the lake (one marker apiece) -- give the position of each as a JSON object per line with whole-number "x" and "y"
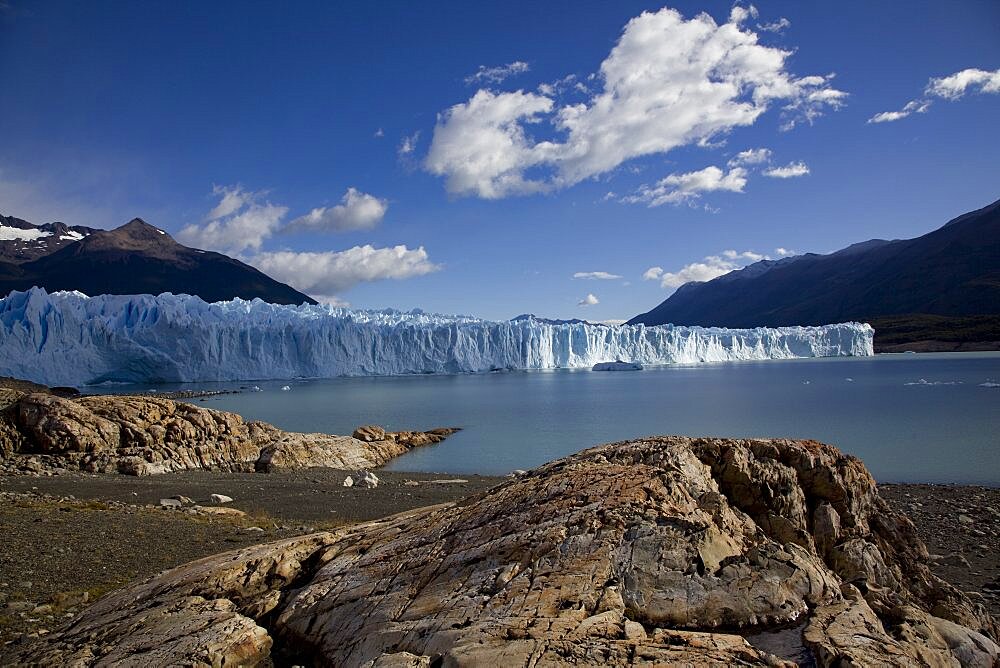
{"x": 909, "y": 417}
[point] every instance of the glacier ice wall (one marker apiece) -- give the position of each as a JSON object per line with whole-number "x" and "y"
{"x": 67, "y": 338}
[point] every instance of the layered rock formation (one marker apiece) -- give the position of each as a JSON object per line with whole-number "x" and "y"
{"x": 664, "y": 550}
{"x": 141, "y": 435}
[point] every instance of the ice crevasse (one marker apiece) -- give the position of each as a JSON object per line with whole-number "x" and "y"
{"x": 67, "y": 338}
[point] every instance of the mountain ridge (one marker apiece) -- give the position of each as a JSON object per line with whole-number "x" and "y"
{"x": 953, "y": 271}
{"x": 134, "y": 258}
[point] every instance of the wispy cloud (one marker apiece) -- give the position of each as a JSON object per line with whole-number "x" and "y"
{"x": 789, "y": 171}
{"x": 683, "y": 188}
{"x": 596, "y": 275}
{"x": 497, "y": 74}
{"x": 952, "y": 87}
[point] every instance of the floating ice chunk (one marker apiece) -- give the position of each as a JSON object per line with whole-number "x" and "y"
{"x": 617, "y": 365}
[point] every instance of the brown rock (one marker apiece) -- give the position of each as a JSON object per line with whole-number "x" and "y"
{"x": 658, "y": 551}
{"x": 57, "y": 425}
{"x": 369, "y": 433}
{"x": 145, "y": 435}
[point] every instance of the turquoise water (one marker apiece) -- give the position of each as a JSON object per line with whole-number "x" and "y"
{"x": 911, "y": 418}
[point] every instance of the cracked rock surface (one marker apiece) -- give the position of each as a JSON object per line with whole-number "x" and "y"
{"x": 662, "y": 550}
{"x": 142, "y": 435}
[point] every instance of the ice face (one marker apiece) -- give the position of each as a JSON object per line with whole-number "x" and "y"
{"x": 67, "y": 338}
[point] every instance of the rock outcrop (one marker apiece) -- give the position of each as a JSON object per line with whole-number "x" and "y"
{"x": 141, "y": 435}
{"x": 658, "y": 551}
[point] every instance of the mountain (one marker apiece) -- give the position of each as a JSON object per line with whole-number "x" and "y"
{"x": 135, "y": 258}
{"x": 939, "y": 284}
{"x": 21, "y": 242}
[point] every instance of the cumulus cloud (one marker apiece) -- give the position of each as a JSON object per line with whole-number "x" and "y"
{"x": 952, "y": 87}
{"x": 709, "y": 268}
{"x": 652, "y": 274}
{"x": 598, "y": 275}
{"x": 668, "y": 82}
{"x": 237, "y": 223}
{"x": 356, "y": 211}
{"x": 242, "y": 223}
{"x": 326, "y": 274}
{"x": 481, "y": 148}
{"x": 789, "y": 171}
{"x": 751, "y": 156}
{"x": 681, "y": 188}
{"x": 589, "y": 300}
{"x": 494, "y": 75}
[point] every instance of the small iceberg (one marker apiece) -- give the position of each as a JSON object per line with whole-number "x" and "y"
{"x": 617, "y": 365}
{"x": 286, "y": 388}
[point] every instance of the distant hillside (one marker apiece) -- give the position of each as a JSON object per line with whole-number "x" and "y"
{"x": 943, "y": 284}
{"x": 135, "y": 258}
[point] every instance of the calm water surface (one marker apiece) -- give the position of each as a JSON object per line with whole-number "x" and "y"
{"x": 926, "y": 418}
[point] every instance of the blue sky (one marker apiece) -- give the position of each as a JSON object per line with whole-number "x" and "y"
{"x": 277, "y": 133}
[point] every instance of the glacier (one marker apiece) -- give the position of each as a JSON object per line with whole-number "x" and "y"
{"x": 68, "y": 338}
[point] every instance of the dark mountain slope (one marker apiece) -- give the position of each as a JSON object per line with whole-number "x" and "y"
{"x": 21, "y": 242}
{"x": 952, "y": 271}
{"x": 138, "y": 258}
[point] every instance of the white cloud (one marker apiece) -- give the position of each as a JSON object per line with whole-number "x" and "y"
{"x": 710, "y": 267}
{"x": 325, "y": 274}
{"x": 379, "y": 133}
{"x": 409, "y": 144}
{"x": 233, "y": 199}
{"x": 481, "y": 148}
{"x": 237, "y": 222}
{"x": 589, "y": 300}
{"x": 785, "y": 252}
{"x": 668, "y": 82}
{"x": 599, "y": 275}
{"x": 952, "y": 87}
{"x": 496, "y": 74}
{"x": 778, "y": 26}
{"x": 911, "y": 107}
{"x": 652, "y": 274}
{"x": 680, "y": 188}
{"x": 791, "y": 170}
{"x": 955, "y": 86}
{"x": 751, "y": 156}
{"x": 356, "y": 211}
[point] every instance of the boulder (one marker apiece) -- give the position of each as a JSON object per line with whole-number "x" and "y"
{"x": 220, "y": 498}
{"x": 657, "y": 551}
{"x": 369, "y": 433}
{"x": 365, "y": 479}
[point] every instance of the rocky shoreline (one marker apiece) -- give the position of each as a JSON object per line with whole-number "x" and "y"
{"x": 42, "y": 432}
{"x": 574, "y": 562}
